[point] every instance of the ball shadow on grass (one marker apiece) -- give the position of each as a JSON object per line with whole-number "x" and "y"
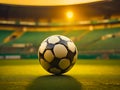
{"x": 52, "y": 82}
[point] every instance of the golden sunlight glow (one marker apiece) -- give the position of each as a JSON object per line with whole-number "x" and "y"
{"x": 46, "y": 2}
{"x": 69, "y": 14}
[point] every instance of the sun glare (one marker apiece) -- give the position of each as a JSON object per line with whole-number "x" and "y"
{"x": 69, "y": 14}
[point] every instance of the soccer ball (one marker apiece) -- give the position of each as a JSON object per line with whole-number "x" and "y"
{"x": 57, "y": 54}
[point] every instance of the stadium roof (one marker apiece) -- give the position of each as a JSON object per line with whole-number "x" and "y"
{"x": 46, "y": 2}
{"x": 106, "y": 8}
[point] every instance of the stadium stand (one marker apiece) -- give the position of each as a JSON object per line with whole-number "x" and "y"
{"x": 91, "y": 44}
{"x": 95, "y": 37}
{"x": 4, "y": 34}
{"x": 33, "y": 37}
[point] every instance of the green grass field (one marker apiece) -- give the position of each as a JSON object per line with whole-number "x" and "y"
{"x": 85, "y": 75}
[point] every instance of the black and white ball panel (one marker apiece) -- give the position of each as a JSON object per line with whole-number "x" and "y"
{"x": 55, "y": 70}
{"x": 44, "y": 64}
{"x": 60, "y": 51}
{"x": 53, "y": 39}
{"x": 71, "y": 46}
{"x": 65, "y": 38}
{"x": 42, "y": 47}
{"x": 48, "y": 56}
{"x": 64, "y": 63}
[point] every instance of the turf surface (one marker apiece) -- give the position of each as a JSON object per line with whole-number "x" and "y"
{"x": 85, "y": 75}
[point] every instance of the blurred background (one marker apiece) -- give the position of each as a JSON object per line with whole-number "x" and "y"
{"x": 94, "y": 26}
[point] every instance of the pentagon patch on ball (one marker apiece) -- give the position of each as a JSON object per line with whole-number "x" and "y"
{"x": 57, "y": 54}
